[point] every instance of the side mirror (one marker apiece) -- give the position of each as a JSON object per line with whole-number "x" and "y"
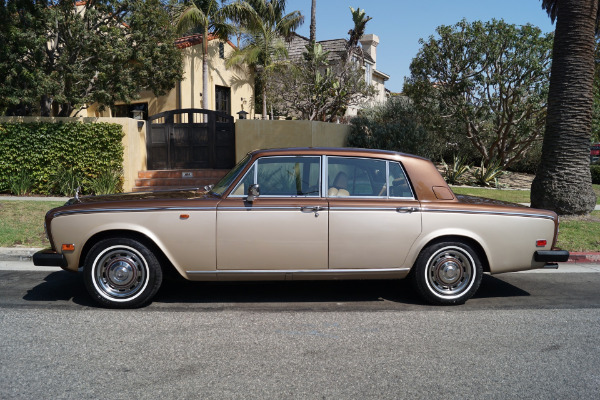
{"x": 253, "y": 192}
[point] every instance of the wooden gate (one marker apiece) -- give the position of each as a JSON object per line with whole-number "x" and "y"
{"x": 190, "y": 139}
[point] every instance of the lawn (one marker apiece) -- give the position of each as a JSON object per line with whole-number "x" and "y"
{"x": 514, "y": 196}
{"x": 22, "y": 222}
{"x": 580, "y": 233}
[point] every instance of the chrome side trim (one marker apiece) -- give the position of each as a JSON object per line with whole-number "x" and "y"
{"x": 298, "y": 271}
{"x": 274, "y": 208}
{"x": 138, "y": 209}
{"x": 512, "y": 213}
{"x": 363, "y": 208}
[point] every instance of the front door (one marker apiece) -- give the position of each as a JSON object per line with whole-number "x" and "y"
{"x": 286, "y": 227}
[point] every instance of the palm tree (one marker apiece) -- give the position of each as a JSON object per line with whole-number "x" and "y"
{"x": 267, "y": 27}
{"x": 207, "y": 17}
{"x": 563, "y": 182}
{"x": 313, "y": 22}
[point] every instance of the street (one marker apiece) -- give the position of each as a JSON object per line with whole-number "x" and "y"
{"x": 525, "y": 335}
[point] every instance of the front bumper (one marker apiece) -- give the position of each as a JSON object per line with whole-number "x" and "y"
{"x": 49, "y": 258}
{"x": 551, "y": 256}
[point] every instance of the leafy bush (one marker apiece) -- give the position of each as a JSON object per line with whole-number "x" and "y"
{"x": 392, "y": 126}
{"x": 47, "y": 150}
{"x": 595, "y": 170}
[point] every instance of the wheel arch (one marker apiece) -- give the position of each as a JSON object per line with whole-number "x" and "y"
{"x": 458, "y": 238}
{"x": 166, "y": 264}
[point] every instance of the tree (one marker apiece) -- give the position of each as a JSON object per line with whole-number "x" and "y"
{"x": 393, "y": 125}
{"x": 489, "y": 79}
{"x": 563, "y": 182}
{"x": 315, "y": 89}
{"x": 207, "y": 17}
{"x": 264, "y": 47}
{"x": 69, "y": 56}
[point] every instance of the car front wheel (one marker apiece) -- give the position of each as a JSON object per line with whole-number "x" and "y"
{"x": 447, "y": 273}
{"x": 122, "y": 273}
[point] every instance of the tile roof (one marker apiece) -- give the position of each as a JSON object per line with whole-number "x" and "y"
{"x": 193, "y": 40}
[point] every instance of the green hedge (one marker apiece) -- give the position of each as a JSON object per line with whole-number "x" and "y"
{"x": 595, "y": 170}
{"x": 44, "y": 151}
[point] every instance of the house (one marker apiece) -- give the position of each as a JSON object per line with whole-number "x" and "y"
{"x": 337, "y": 48}
{"x": 231, "y": 89}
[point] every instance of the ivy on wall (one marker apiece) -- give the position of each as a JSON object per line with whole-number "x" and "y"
{"x": 46, "y": 151}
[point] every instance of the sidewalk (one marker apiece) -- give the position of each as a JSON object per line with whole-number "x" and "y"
{"x": 32, "y": 198}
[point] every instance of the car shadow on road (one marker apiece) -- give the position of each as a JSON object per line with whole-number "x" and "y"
{"x": 68, "y": 287}
{"x": 61, "y": 286}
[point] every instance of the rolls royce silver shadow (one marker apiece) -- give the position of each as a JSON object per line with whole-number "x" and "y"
{"x": 300, "y": 214}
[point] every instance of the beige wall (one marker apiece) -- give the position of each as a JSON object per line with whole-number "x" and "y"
{"x": 258, "y": 134}
{"x": 134, "y": 141}
{"x": 187, "y": 93}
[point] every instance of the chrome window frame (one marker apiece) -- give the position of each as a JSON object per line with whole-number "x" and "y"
{"x": 325, "y": 179}
{"x": 255, "y": 163}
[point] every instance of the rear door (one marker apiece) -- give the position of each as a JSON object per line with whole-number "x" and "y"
{"x": 374, "y": 218}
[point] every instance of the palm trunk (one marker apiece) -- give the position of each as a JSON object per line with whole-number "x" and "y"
{"x": 205, "y": 102}
{"x": 264, "y": 99}
{"x": 313, "y": 22}
{"x": 563, "y": 182}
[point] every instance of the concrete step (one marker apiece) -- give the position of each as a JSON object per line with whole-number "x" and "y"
{"x": 175, "y": 181}
{"x": 183, "y": 173}
{"x": 160, "y": 188}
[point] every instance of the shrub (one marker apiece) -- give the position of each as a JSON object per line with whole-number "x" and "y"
{"x": 20, "y": 184}
{"x": 48, "y": 150}
{"x": 392, "y": 126}
{"x": 595, "y": 170}
{"x": 107, "y": 182}
{"x": 453, "y": 172}
{"x": 485, "y": 176}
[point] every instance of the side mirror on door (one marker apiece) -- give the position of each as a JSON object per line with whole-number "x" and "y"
{"x": 253, "y": 192}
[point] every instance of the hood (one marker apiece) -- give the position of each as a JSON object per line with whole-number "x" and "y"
{"x": 132, "y": 196}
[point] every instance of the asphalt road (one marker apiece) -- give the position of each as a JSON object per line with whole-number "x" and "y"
{"x": 524, "y": 335}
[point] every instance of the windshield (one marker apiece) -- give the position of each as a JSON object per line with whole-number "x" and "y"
{"x": 224, "y": 183}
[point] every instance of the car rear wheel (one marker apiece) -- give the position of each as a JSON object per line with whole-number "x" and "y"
{"x": 122, "y": 273}
{"x": 447, "y": 273}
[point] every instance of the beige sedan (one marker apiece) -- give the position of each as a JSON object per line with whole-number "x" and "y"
{"x": 293, "y": 214}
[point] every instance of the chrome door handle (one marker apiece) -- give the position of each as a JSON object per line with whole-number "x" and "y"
{"x": 312, "y": 208}
{"x": 407, "y": 209}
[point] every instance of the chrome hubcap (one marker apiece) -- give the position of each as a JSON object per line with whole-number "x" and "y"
{"x": 449, "y": 271}
{"x": 121, "y": 272}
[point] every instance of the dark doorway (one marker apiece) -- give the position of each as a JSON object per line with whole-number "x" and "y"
{"x": 223, "y": 99}
{"x": 190, "y": 139}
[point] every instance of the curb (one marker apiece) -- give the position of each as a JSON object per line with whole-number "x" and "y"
{"x": 17, "y": 253}
{"x": 584, "y": 257}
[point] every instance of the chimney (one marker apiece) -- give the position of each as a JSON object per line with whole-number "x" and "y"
{"x": 369, "y": 44}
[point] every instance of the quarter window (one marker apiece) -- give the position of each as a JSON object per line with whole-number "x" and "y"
{"x": 399, "y": 186}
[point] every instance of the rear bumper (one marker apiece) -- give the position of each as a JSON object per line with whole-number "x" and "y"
{"x": 551, "y": 256}
{"x": 49, "y": 258}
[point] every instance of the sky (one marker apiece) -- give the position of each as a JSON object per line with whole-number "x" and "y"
{"x": 401, "y": 23}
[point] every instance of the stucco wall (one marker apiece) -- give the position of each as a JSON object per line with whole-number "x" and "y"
{"x": 257, "y": 134}
{"x": 188, "y": 92}
{"x": 134, "y": 141}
